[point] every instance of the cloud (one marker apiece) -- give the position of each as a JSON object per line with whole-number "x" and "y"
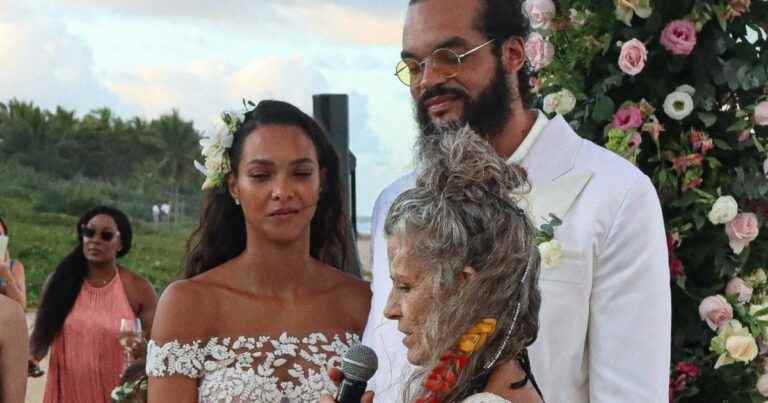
{"x": 44, "y": 62}
{"x": 204, "y": 88}
{"x": 340, "y": 21}
{"x": 350, "y": 25}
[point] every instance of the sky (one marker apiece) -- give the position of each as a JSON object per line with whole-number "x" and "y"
{"x": 147, "y": 57}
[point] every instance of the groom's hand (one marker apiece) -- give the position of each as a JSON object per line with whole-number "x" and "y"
{"x": 337, "y": 376}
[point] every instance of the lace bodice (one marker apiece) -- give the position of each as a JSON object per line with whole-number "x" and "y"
{"x": 254, "y": 369}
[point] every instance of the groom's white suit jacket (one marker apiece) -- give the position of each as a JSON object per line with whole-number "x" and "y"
{"x": 606, "y": 309}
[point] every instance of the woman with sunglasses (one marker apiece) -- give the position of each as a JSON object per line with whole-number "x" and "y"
{"x": 83, "y": 303}
{"x": 12, "y": 277}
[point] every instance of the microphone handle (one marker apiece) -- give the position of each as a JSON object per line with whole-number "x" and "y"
{"x": 351, "y": 391}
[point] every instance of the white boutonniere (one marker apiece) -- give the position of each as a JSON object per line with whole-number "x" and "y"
{"x": 550, "y": 249}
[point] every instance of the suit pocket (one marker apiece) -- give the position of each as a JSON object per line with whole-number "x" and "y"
{"x": 571, "y": 269}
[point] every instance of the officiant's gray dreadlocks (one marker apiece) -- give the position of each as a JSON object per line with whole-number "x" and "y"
{"x": 463, "y": 212}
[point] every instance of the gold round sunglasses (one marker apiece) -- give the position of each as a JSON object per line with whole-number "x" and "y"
{"x": 443, "y": 61}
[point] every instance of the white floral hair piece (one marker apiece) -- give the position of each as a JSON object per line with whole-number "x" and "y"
{"x": 216, "y": 166}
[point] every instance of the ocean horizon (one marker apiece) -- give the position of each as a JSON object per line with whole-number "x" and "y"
{"x": 364, "y": 225}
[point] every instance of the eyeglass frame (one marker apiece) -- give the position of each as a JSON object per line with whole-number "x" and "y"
{"x": 423, "y": 63}
{"x": 113, "y": 235}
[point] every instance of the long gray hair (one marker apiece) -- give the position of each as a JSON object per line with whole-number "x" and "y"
{"x": 463, "y": 212}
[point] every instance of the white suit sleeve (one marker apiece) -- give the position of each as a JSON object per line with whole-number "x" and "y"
{"x": 630, "y": 310}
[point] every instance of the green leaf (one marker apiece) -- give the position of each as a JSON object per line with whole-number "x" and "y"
{"x": 714, "y": 163}
{"x": 604, "y": 107}
{"x": 707, "y": 118}
{"x": 700, "y": 221}
{"x": 738, "y": 126}
{"x": 722, "y": 144}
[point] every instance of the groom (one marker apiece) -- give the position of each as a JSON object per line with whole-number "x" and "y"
{"x": 605, "y": 315}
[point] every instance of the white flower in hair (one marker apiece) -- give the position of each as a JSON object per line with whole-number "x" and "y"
{"x": 214, "y": 148}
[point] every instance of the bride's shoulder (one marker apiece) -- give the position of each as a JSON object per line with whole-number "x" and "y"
{"x": 183, "y": 309}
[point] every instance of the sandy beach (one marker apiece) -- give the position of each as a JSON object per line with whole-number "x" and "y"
{"x": 36, "y": 386}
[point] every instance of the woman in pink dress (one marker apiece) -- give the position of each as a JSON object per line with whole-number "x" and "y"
{"x": 83, "y": 303}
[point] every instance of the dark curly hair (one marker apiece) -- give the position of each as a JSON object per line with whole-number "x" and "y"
{"x": 221, "y": 236}
{"x": 64, "y": 284}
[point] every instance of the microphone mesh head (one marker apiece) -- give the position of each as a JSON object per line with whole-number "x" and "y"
{"x": 359, "y": 363}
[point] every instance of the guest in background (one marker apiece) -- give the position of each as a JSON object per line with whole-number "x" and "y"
{"x": 83, "y": 303}
{"x": 13, "y": 351}
{"x": 12, "y": 278}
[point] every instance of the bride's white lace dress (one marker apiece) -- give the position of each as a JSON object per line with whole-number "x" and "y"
{"x": 266, "y": 369}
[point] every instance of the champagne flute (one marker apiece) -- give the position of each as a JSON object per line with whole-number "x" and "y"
{"x": 129, "y": 337}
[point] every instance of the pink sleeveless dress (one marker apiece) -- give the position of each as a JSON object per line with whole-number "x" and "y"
{"x": 86, "y": 358}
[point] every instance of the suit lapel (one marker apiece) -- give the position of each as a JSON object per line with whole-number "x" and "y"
{"x": 555, "y": 184}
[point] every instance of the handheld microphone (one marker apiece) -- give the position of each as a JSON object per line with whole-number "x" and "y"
{"x": 358, "y": 365}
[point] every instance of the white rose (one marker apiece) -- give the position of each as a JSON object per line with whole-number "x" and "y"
{"x": 742, "y": 348}
{"x": 539, "y": 12}
{"x": 762, "y": 385}
{"x": 551, "y": 252}
{"x": 561, "y": 102}
{"x": 724, "y": 210}
{"x": 686, "y": 89}
{"x": 678, "y": 105}
{"x": 567, "y": 102}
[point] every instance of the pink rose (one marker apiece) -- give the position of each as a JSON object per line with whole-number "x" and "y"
{"x": 628, "y": 117}
{"x": 688, "y": 369}
{"x": 741, "y": 231}
{"x": 679, "y": 37}
{"x": 632, "y": 58}
{"x": 539, "y": 51}
{"x": 744, "y": 136}
{"x": 715, "y": 310}
{"x": 739, "y": 287}
{"x": 540, "y": 12}
{"x": 761, "y": 114}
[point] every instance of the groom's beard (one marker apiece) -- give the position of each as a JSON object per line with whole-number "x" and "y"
{"x": 487, "y": 115}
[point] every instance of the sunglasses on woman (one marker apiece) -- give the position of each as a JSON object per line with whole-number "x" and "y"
{"x": 105, "y": 236}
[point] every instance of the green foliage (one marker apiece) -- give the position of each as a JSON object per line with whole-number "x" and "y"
{"x": 56, "y": 166}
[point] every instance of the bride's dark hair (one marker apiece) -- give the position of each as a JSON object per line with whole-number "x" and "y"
{"x": 221, "y": 236}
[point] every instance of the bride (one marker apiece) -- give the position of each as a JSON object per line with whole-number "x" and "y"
{"x": 262, "y": 313}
